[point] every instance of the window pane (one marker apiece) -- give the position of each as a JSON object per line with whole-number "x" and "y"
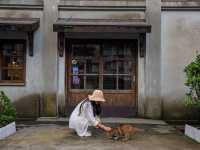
{"x": 110, "y": 67}
{"x": 12, "y": 74}
{"x": 12, "y": 60}
{"x": 85, "y": 50}
{"x": 109, "y": 82}
{"x": 7, "y": 53}
{"x": 125, "y": 51}
{"x": 92, "y": 82}
{"x": 109, "y": 50}
{"x": 18, "y": 51}
{"x": 4, "y": 75}
{"x": 92, "y": 66}
{"x": 125, "y": 67}
{"x": 77, "y": 67}
{"x": 124, "y": 82}
{"x": 119, "y": 50}
{"x": 77, "y": 82}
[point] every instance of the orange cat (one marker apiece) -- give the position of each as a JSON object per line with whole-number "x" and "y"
{"x": 124, "y": 131}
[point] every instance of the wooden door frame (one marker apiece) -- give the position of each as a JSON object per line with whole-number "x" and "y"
{"x": 68, "y": 43}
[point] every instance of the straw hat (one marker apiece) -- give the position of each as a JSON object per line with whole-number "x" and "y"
{"x": 97, "y": 95}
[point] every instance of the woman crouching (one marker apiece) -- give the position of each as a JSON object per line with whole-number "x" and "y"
{"x": 87, "y": 113}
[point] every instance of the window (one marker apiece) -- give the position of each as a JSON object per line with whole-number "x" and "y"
{"x": 85, "y": 66}
{"x": 12, "y": 61}
{"x": 117, "y": 66}
{"x": 105, "y": 65}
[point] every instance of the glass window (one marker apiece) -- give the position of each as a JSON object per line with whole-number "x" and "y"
{"x": 117, "y": 63}
{"x": 125, "y": 67}
{"x": 92, "y": 82}
{"x": 124, "y": 82}
{"x": 108, "y": 65}
{"x": 85, "y": 50}
{"x": 12, "y": 61}
{"x": 109, "y": 82}
{"x": 85, "y": 65}
{"x": 92, "y": 66}
{"x": 78, "y": 66}
{"x": 77, "y": 82}
{"x": 109, "y": 50}
{"x": 125, "y": 51}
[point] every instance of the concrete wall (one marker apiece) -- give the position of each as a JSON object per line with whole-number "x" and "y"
{"x": 21, "y": 2}
{"x": 49, "y": 60}
{"x": 180, "y": 41}
{"x": 129, "y": 14}
{"x": 150, "y": 102}
{"x": 112, "y": 3}
{"x": 42, "y": 68}
{"x": 26, "y": 97}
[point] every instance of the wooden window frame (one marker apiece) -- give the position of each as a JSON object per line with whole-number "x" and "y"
{"x": 101, "y": 69}
{"x": 14, "y": 82}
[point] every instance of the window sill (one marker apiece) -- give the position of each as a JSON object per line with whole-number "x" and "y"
{"x": 12, "y": 84}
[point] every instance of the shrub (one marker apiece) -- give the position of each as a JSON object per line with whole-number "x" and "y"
{"x": 7, "y": 110}
{"x": 192, "y": 71}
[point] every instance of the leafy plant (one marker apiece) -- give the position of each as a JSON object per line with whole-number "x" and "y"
{"x": 192, "y": 71}
{"x": 7, "y": 110}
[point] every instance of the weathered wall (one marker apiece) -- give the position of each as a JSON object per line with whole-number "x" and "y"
{"x": 42, "y": 68}
{"x": 150, "y": 103}
{"x": 49, "y": 59}
{"x": 129, "y": 14}
{"x": 180, "y": 41}
{"x": 112, "y": 3}
{"x": 27, "y": 97}
{"x": 23, "y": 2}
{"x": 104, "y": 9}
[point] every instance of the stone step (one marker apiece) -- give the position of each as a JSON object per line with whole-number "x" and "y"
{"x": 106, "y": 120}
{"x": 43, "y": 121}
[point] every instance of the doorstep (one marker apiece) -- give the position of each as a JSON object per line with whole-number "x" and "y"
{"x": 149, "y": 125}
{"x": 52, "y": 120}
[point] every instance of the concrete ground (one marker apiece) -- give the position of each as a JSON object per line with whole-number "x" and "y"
{"x": 59, "y": 137}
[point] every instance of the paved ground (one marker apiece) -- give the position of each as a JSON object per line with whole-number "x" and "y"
{"x": 57, "y": 137}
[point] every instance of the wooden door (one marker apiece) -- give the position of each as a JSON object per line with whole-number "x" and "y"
{"x": 109, "y": 65}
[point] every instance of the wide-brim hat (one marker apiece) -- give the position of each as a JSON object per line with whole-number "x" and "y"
{"x": 97, "y": 96}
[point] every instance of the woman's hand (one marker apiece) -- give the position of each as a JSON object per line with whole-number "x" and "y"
{"x": 107, "y": 129}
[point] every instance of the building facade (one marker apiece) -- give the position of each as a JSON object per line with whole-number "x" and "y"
{"x": 53, "y": 53}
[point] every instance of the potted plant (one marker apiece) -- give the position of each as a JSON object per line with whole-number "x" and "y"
{"x": 7, "y": 116}
{"x": 192, "y": 71}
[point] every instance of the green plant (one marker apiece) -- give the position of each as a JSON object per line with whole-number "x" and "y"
{"x": 192, "y": 71}
{"x": 7, "y": 110}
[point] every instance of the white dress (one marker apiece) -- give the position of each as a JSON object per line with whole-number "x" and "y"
{"x": 86, "y": 118}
